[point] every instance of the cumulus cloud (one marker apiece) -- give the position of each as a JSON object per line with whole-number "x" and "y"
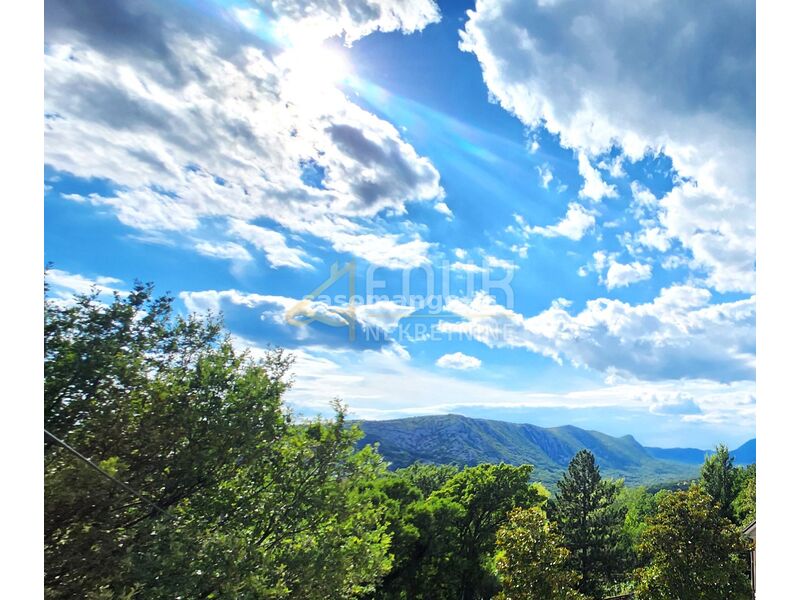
{"x": 190, "y": 123}
{"x": 623, "y": 275}
{"x": 385, "y": 314}
{"x": 680, "y": 334}
{"x": 574, "y": 225}
{"x": 667, "y": 77}
{"x": 322, "y": 19}
{"x": 459, "y": 361}
{"x": 594, "y": 187}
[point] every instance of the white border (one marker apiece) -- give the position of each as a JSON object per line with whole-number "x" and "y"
{"x": 21, "y": 107}
{"x": 778, "y": 362}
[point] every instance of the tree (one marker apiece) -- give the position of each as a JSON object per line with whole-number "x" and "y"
{"x": 744, "y": 505}
{"x": 427, "y": 557}
{"x": 257, "y": 505}
{"x": 531, "y": 559}
{"x": 428, "y": 478}
{"x": 486, "y": 494}
{"x": 692, "y": 552}
{"x": 591, "y": 523}
{"x": 719, "y": 478}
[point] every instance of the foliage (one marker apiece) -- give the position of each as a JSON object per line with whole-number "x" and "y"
{"x": 591, "y": 522}
{"x": 427, "y": 477}
{"x": 531, "y": 559}
{"x": 744, "y": 505}
{"x": 486, "y": 494}
{"x": 719, "y": 478}
{"x": 692, "y": 552}
{"x": 262, "y": 507}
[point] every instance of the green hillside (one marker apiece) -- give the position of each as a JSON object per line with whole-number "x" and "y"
{"x": 454, "y": 439}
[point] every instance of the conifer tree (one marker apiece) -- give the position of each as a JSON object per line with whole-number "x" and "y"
{"x": 720, "y": 480}
{"x": 591, "y": 524}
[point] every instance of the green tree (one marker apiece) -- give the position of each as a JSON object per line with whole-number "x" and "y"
{"x": 590, "y": 521}
{"x": 719, "y": 478}
{"x": 744, "y": 505}
{"x": 428, "y": 478}
{"x": 531, "y": 559}
{"x": 692, "y": 552}
{"x": 486, "y": 494}
{"x": 259, "y": 506}
{"x": 427, "y": 557}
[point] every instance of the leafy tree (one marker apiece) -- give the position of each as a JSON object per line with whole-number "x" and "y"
{"x": 259, "y": 506}
{"x": 692, "y": 552}
{"x": 590, "y": 521}
{"x": 531, "y": 559}
{"x": 427, "y": 559}
{"x": 638, "y": 504}
{"x": 428, "y": 478}
{"x": 719, "y": 478}
{"x": 744, "y": 505}
{"x": 486, "y": 494}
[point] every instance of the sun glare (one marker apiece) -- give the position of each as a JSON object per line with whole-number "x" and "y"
{"x": 314, "y": 70}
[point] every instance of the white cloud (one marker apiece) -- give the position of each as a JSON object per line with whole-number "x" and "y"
{"x": 593, "y": 75}
{"x": 190, "y": 126}
{"x": 376, "y": 385}
{"x": 467, "y": 267}
{"x": 574, "y": 225}
{"x": 385, "y": 314}
{"x": 227, "y": 250}
{"x": 623, "y": 275}
{"x": 301, "y": 20}
{"x": 594, "y": 187}
{"x": 654, "y": 237}
{"x": 442, "y": 207}
{"x": 64, "y": 285}
{"x": 272, "y": 243}
{"x": 545, "y": 175}
{"x": 459, "y": 361}
{"x": 460, "y": 253}
{"x": 500, "y": 263}
{"x": 678, "y": 335}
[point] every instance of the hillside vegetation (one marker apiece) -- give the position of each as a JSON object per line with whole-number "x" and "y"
{"x": 463, "y": 441}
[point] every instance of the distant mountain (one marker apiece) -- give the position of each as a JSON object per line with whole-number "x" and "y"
{"x": 454, "y": 439}
{"x": 743, "y": 455}
{"x": 746, "y": 453}
{"x": 689, "y": 456}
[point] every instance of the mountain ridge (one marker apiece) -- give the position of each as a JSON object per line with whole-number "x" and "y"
{"x": 466, "y": 441}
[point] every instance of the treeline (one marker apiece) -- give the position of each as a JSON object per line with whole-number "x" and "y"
{"x": 215, "y": 490}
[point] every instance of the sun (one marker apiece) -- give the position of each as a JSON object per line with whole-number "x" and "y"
{"x": 314, "y": 69}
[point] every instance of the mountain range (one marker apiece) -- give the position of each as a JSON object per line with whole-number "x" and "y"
{"x": 464, "y": 441}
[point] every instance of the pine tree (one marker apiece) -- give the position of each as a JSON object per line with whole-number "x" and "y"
{"x": 720, "y": 480}
{"x": 590, "y": 523}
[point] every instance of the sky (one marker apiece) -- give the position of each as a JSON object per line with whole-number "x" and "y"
{"x": 537, "y": 212}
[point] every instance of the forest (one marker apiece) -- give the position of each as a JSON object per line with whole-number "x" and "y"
{"x": 174, "y": 468}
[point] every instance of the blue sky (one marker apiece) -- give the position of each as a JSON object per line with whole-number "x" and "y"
{"x": 567, "y": 188}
